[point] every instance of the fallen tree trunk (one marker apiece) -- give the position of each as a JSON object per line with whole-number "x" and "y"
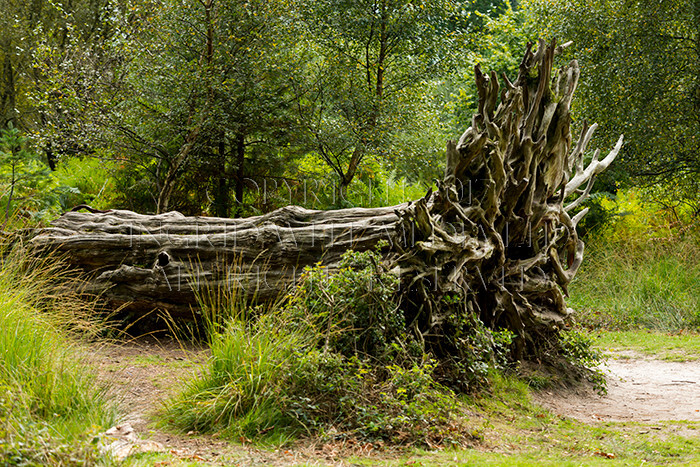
{"x": 496, "y": 232}
{"x": 149, "y": 262}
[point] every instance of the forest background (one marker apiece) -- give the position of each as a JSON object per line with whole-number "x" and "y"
{"x": 234, "y": 109}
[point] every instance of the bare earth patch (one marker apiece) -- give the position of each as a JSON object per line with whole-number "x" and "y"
{"x": 639, "y": 389}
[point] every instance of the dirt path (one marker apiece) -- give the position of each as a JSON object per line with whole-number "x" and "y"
{"x": 639, "y": 389}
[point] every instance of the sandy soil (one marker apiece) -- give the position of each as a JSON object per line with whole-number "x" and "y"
{"x": 639, "y": 389}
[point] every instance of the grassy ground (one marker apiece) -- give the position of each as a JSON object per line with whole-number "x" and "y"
{"x": 50, "y": 408}
{"x": 682, "y": 346}
{"x": 639, "y": 281}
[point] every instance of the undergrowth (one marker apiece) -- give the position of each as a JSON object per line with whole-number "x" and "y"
{"x": 51, "y": 410}
{"x": 337, "y": 360}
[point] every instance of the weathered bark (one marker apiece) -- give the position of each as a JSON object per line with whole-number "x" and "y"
{"x": 496, "y": 232}
{"x": 156, "y": 261}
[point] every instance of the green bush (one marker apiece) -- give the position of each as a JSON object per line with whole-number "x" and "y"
{"x": 352, "y": 310}
{"x": 336, "y": 360}
{"x": 350, "y": 397}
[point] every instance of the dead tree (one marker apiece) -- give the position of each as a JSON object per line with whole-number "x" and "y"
{"x": 496, "y": 231}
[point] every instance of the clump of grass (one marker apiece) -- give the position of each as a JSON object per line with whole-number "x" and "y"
{"x": 239, "y": 394}
{"x": 50, "y": 407}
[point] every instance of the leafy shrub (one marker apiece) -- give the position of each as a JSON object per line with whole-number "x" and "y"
{"x": 350, "y": 397}
{"x": 602, "y": 214}
{"x": 336, "y": 360}
{"x": 465, "y": 347}
{"x": 352, "y": 310}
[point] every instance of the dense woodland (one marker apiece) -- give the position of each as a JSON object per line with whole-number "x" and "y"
{"x": 237, "y": 108}
{"x": 425, "y": 321}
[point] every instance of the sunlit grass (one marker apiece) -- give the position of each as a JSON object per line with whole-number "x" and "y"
{"x": 639, "y": 284}
{"x": 680, "y": 347}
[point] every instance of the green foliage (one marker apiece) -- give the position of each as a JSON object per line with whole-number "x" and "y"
{"x": 208, "y": 110}
{"x": 367, "y": 86}
{"x": 336, "y": 360}
{"x": 352, "y": 398}
{"x": 93, "y": 181}
{"x": 465, "y": 346}
{"x": 639, "y": 78}
{"x": 352, "y": 309}
{"x": 268, "y": 379}
{"x": 33, "y": 193}
{"x": 22, "y": 174}
{"x": 641, "y": 272}
{"x": 497, "y": 46}
{"x": 373, "y": 186}
{"x": 51, "y": 409}
{"x": 578, "y": 348}
{"x": 602, "y": 214}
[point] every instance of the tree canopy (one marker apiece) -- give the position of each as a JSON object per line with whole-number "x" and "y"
{"x": 642, "y": 62}
{"x": 203, "y": 105}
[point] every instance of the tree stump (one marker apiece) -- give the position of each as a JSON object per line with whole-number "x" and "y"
{"x": 496, "y": 232}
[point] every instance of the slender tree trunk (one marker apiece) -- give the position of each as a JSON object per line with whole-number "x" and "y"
{"x": 191, "y": 138}
{"x": 8, "y": 102}
{"x": 376, "y": 87}
{"x": 355, "y": 159}
{"x": 240, "y": 174}
{"x": 223, "y": 200}
{"x": 178, "y": 163}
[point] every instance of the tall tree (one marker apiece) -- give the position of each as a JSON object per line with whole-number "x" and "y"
{"x": 373, "y": 59}
{"x": 643, "y": 79}
{"x": 197, "y": 87}
{"x": 217, "y": 87}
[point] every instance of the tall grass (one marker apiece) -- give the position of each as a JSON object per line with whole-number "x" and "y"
{"x": 239, "y": 393}
{"x": 50, "y": 405}
{"x": 640, "y": 281}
